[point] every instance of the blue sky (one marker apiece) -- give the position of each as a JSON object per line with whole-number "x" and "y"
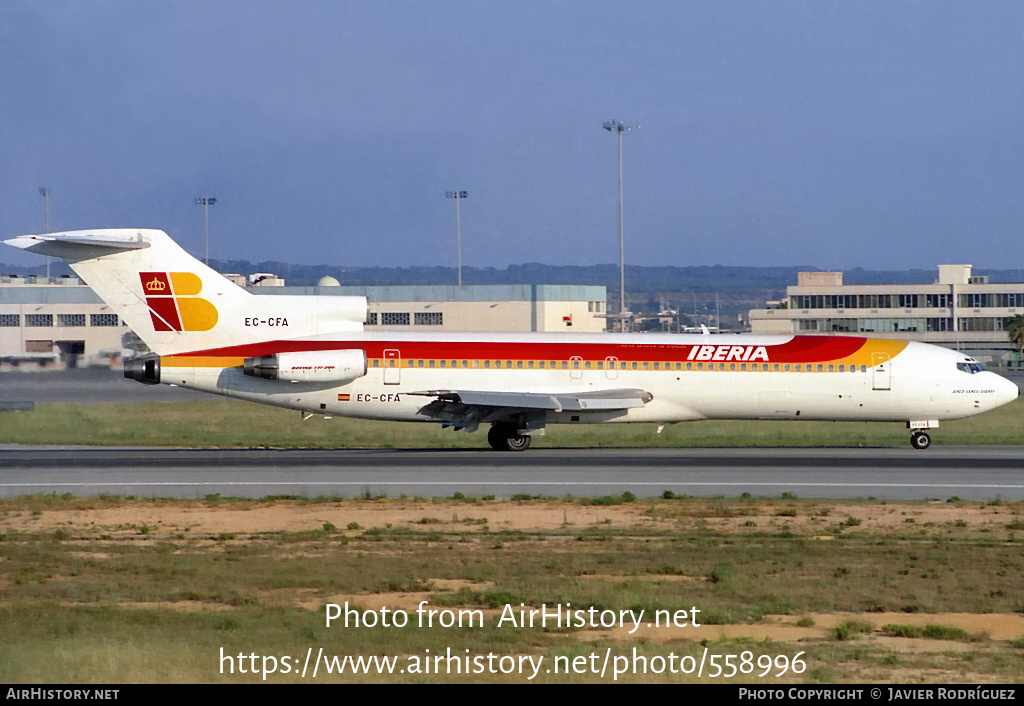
{"x": 878, "y": 134}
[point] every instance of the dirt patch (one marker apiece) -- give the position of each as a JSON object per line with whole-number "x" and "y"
{"x": 815, "y": 519}
{"x": 819, "y": 519}
{"x": 408, "y": 601}
{"x": 641, "y": 577}
{"x": 783, "y": 628}
{"x": 295, "y": 517}
{"x": 998, "y": 626}
{"x": 184, "y": 606}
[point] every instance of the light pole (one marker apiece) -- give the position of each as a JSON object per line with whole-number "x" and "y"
{"x": 45, "y": 193}
{"x": 206, "y": 202}
{"x": 458, "y": 196}
{"x": 617, "y": 126}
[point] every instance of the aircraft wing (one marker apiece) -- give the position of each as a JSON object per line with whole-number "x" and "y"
{"x": 470, "y": 408}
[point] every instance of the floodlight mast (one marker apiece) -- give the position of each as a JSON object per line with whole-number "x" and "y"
{"x": 617, "y": 126}
{"x": 45, "y": 193}
{"x": 206, "y": 202}
{"x": 458, "y": 196}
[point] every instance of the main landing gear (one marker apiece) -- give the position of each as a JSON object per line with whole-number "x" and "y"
{"x": 506, "y": 437}
{"x": 920, "y": 440}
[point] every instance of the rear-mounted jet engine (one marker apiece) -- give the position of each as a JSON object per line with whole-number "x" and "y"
{"x": 145, "y": 369}
{"x": 309, "y": 366}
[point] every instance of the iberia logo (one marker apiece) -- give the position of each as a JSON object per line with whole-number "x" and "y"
{"x": 173, "y": 305}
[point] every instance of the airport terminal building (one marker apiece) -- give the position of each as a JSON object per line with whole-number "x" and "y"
{"x": 479, "y": 307}
{"x": 959, "y": 310}
{"x": 64, "y": 322}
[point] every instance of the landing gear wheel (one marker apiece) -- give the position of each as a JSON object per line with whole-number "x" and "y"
{"x": 505, "y": 437}
{"x": 920, "y": 440}
{"x": 496, "y": 436}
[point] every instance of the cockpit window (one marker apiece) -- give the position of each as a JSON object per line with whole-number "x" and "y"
{"x": 970, "y": 367}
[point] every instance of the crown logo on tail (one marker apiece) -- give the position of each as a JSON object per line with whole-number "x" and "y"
{"x": 155, "y": 285}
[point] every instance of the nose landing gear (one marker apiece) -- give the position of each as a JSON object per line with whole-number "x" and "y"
{"x": 920, "y": 440}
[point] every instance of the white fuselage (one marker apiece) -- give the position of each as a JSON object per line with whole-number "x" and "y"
{"x": 919, "y": 382}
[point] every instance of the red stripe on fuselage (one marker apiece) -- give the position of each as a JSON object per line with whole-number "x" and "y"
{"x": 800, "y": 349}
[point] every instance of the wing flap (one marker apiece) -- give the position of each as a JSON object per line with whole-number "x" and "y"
{"x": 590, "y": 401}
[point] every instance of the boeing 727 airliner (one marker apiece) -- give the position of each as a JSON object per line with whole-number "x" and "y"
{"x": 311, "y": 353}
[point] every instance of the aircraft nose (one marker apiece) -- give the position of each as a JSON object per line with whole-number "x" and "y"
{"x": 1007, "y": 390}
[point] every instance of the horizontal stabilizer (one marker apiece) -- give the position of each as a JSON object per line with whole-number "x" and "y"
{"x": 71, "y": 243}
{"x": 176, "y": 304}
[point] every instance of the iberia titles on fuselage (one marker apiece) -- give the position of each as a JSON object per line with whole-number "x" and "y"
{"x": 311, "y": 353}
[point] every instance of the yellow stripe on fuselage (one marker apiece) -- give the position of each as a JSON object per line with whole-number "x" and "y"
{"x": 200, "y": 361}
{"x": 865, "y": 356}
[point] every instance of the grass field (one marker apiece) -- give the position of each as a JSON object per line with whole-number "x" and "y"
{"x": 119, "y": 590}
{"x": 230, "y": 423}
{"x": 114, "y": 590}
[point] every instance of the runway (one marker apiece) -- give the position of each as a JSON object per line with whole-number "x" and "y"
{"x": 970, "y": 473}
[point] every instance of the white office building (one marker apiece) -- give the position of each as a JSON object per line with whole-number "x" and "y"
{"x": 959, "y": 310}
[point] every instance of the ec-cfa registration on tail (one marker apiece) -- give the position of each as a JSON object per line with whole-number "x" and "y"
{"x": 311, "y": 353}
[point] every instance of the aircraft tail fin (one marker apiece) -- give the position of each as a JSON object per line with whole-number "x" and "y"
{"x": 175, "y": 303}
